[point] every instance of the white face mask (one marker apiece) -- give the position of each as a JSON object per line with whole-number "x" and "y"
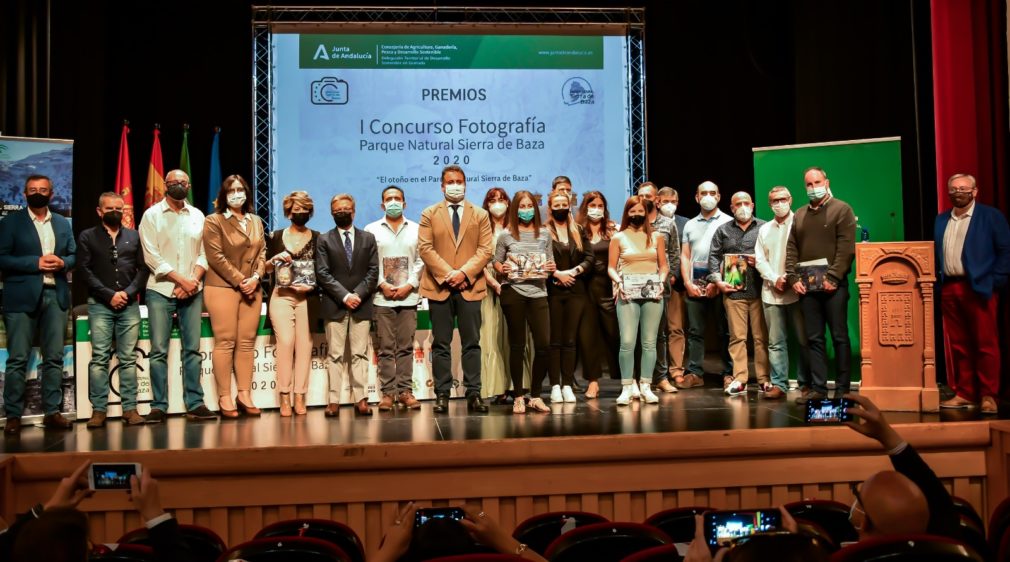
{"x": 498, "y": 209}
{"x": 668, "y": 209}
{"x": 454, "y": 192}
{"x": 594, "y": 213}
{"x": 236, "y": 200}
{"x": 708, "y": 202}
{"x": 780, "y": 209}
{"x": 817, "y": 193}
{"x": 743, "y": 213}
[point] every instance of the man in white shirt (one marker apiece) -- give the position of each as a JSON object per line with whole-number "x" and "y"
{"x": 779, "y": 301}
{"x": 171, "y": 232}
{"x": 396, "y": 300}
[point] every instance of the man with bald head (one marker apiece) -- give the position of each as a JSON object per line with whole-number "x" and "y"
{"x": 741, "y": 288}
{"x": 171, "y": 232}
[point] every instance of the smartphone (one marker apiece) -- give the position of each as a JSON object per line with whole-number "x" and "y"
{"x": 422, "y": 516}
{"x": 828, "y": 411}
{"x": 722, "y": 527}
{"x": 112, "y": 475}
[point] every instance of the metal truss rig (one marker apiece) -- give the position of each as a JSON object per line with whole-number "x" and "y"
{"x": 263, "y": 17}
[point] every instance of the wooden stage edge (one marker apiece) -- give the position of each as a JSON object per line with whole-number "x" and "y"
{"x": 625, "y": 478}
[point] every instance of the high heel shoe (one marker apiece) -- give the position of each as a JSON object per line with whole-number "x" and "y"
{"x": 247, "y": 410}
{"x": 593, "y": 391}
{"x": 225, "y": 413}
{"x": 300, "y": 404}
{"x": 285, "y": 404}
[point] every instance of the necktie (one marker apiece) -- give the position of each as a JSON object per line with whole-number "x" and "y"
{"x": 455, "y": 220}
{"x": 347, "y": 247}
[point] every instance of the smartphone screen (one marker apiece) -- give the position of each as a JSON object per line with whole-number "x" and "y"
{"x": 722, "y": 527}
{"x": 828, "y": 411}
{"x": 113, "y": 476}
{"x": 422, "y": 516}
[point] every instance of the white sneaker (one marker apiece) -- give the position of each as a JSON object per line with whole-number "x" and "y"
{"x": 736, "y": 388}
{"x": 519, "y": 406}
{"x": 537, "y": 405}
{"x": 567, "y": 394}
{"x": 626, "y": 394}
{"x": 635, "y": 393}
{"x": 556, "y": 394}
{"x": 647, "y": 394}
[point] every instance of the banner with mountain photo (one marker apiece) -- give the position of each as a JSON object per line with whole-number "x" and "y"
{"x": 20, "y": 158}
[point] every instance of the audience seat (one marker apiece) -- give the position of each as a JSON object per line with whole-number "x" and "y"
{"x": 122, "y": 553}
{"x": 323, "y": 529}
{"x": 286, "y": 549}
{"x": 678, "y": 523}
{"x": 487, "y": 557}
{"x": 665, "y": 553}
{"x": 999, "y": 522}
{"x": 605, "y": 542}
{"x": 908, "y": 548}
{"x": 204, "y": 544}
{"x": 832, "y": 516}
{"x": 539, "y": 531}
{"x": 965, "y": 508}
{"x": 815, "y": 531}
{"x": 973, "y": 535}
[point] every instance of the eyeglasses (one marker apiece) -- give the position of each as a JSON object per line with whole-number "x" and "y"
{"x": 960, "y": 190}
{"x": 862, "y": 508}
{"x": 175, "y": 183}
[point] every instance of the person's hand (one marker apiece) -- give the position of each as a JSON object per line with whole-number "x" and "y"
{"x": 565, "y": 278}
{"x": 283, "y": 257}
{"x": 619, "y": 293}
{"x": 871, "y": 422}
{"x": 788, "y": 523}
{"x": 726, "y": 288}
{"x": 396, "y": 541}
{"x": 506, "y": 268}
{"x": 829, "y": 286}
{"x": 72, "y": 490}
{"x": 698, "y": 551}
{"x": 456, "y": 279}
{"x": 497, "y": 289}
{"x": 144, "y": 495}
{"x": 550, "y": 267}
{"x": 248, "y": 286}
{"x": 178, "y": 293}
{"x": 387, "y": 290}
{"x": 119, "y": 300}
{"x": 50, "y": 263}
{"x": 487, "y": 532}
{"x": 353, "y": 301}
{"x": 712, "y": 290}
{"x": 751, "y": 260}
{"x": 188, "y": 285}
{"x": 692, "y": 290}
{"x": 780, "y": 284}
{"x": 799, "y": 288}
{"x": 403, "y": 291}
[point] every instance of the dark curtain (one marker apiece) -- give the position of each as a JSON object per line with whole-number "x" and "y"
{"x": 24, "y": 68}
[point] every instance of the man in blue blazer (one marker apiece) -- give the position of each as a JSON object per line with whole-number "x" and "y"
{"x": 972, "y": 244}
{"x": 37, "y": 250}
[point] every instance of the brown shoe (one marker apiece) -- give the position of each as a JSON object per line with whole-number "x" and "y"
{"x": 690, "y": 380}
{"x": 774, "y": 394}
{"x": 958, "y": 403}
{"x": 361, "y": 408}
{"x": 332, "y": 410}
{"x": 300, "y": 404}
{"x": 665, "y": 386}
{"x": 285, "y": 404}
{"x": 131, "y": 417}
{"x": 247, "y": 410}
{"x": 407, "y": 399}
{"x": 989, "y": 405}
{"x": 56, "y": 421}
{"x": 97, "y": 420}
{"x": 13, "y": 426}
{"x": 386, "y": 404}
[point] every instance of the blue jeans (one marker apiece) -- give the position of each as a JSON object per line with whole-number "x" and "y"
{"x": 159, "y": 315}
{"x": 636, "y": 316}
{"x": 123, "y": 327}
{"x": 776, "y": 316}
{"x": 51, "y": 322}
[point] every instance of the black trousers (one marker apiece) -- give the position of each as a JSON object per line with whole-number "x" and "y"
{"x": 466, "y": 316}
{"x": 828, "y": 310}
{"x": 566, "y": 308}
{"x": 599, "y": 335}
{"x": 521, "y": 311}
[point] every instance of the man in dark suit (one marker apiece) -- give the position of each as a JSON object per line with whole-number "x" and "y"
{"x": 972, "y": 245}
{"x": 37, "y": 249}
{"x": 667, "y": 200}
{"x": 347, "y": 271}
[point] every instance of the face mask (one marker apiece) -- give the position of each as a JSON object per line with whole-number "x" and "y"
{"x": 708, "y": 202}
{"x": 498, "y": 209}
{"x": 668, "y": 209}
{"x": 454, "y": 192}
{"x": 526, "y": 215}
{"x": 176, "y": 191}
{"x": 650, "y": 206}
{"x": 342, "y": 219}
{"x": 236, "y": 200}
{"x": 780, "y": 209}
{"x": 394, "y": 209}
{"x": 37, "y": 200}
{"x": 594, "y": 213}
{"x": 113, "y": 219}
{"x": 560, "y": 215}
{"x": 636, "y": 220}
{"x": 299, "y": 219}
{"x": 817, "y": 193}
{"x": 743, "y": 213}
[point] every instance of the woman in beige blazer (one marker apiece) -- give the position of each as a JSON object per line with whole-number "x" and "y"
{"x": 234, "y": 244}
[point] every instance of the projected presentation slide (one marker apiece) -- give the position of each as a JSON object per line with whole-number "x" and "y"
{"x": 355, "y": 113}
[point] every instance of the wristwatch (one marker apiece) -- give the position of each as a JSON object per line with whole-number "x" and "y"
{"x": 37, "y": 510}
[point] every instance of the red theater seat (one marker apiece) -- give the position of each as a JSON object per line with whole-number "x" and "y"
{"x": 204, "y": 544}
{"x": 665, "y": 553}
{"x": 323, "y": 529}
{"x": 603, "y": 542}
{"x": 479, "y": 558}
{"x": 908, "y": 548}
{"x": 832, "y": 516}
{"x": 678, "y": 523}
{"x": 286, "y": 549}
{"x": 539, "y": 531}
{"x": 122, "y": 553}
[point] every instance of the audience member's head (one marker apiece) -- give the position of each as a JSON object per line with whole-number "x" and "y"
{"x": 781, "y": 547}
{"x": 58, "y": 535}
{"x": 889, "y": 503}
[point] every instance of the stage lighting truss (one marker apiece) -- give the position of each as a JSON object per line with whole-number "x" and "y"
{"x": 263, "y": 17}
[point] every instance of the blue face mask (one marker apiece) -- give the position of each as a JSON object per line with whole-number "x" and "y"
{"x": 817, "y": 193}
{"x": 526, "y": 215}
{"x": 394, "y": 209}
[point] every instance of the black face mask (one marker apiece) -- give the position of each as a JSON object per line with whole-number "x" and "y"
{"x": 113, "y": 219}
{"x": 343, "y": 219}
{"x": 37, "y": 200}
{"x": 650, "y": 206}
{"x": 560, "y": 215}
{"x": 636, "y": 220}
{"x": 177, "y": 191}
{"x": 300, "y": 219}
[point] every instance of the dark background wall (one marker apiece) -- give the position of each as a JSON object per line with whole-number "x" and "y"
{"x": 722, "y": 77}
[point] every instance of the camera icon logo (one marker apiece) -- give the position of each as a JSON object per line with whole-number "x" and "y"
{"x": 328, "y": 91}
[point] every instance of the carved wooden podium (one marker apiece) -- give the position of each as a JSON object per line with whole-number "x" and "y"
{"x": 896, "y": 281}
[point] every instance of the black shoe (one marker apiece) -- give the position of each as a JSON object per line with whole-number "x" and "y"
{"x": 201, "y": 413}
{"x": 474, "y": 403}
{"x": 441, "y": 404}
{"x": 156, "y": 416}
{"x": 812, "y": 395}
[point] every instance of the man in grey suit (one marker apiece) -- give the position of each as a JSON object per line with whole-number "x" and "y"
{"x": 347, "y": 271}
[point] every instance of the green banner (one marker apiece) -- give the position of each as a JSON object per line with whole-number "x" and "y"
{"x": 451, "y": 51}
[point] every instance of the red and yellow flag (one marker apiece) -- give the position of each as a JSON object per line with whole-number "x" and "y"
{"x": 124, "y": 182}
{"x": 155, "y": 174}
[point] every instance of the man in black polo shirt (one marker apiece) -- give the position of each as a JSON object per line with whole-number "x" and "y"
{"x": 111, "y": 262}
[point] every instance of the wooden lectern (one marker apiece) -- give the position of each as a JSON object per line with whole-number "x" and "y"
{"x": 896, "y": 281}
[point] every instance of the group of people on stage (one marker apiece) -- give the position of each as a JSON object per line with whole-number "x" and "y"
{"x": 565, "y": 283}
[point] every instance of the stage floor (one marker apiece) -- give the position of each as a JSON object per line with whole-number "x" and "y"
{"x": 700, "y": 409}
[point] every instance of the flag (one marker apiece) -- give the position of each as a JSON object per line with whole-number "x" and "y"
{"x": 184, "y": 161}
{"x": 214, "y": 183}
{"x": 124, "y": 183}
{"x": 155, "y": 173}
